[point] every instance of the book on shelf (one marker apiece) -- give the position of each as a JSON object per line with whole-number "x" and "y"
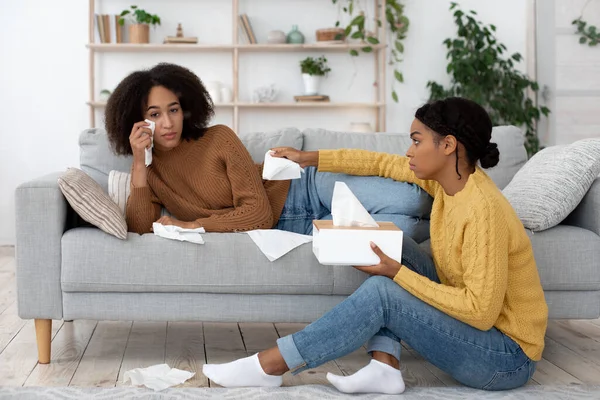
{"x": 316, "y": 97}
{"x": 109, "y": 28}
{"x": 175, "y": 39}
{"x": 248, "y": 32}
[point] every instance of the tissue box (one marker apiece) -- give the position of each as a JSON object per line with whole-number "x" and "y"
{"x": 343, "y": 245}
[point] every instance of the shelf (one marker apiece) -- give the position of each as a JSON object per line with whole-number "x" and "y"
{"x": 304, "y": 104}
{"x": 305, "y": 47}
{"x": 135, "y": 47}
{"x": 169, "y": 48}
{"x": 310, "y": 104}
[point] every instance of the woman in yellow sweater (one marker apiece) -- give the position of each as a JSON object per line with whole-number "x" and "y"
{"x": 475, "y": 309}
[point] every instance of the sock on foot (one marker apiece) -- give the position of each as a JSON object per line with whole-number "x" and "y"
{"x": 245, "y": 372}
{"x": 375, "y": 377}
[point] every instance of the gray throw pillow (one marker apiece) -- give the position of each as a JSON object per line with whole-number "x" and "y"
{"x": 553, "y": 182}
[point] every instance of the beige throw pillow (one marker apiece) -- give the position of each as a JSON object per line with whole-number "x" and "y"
{"x": 91, "y": 202}
{"x": 119, "y": 186}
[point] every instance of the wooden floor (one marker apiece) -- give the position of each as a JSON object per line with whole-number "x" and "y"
{"x": 90, "y": 353}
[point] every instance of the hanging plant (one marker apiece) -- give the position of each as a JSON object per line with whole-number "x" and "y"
{"x": 481, "y": 72}
{"x": 588, "y": 34}
{"x": 396, "y": 26}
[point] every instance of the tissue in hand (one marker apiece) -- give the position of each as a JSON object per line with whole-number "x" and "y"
{"x": 148, "y": 153}
{"x": 347, "y": 239}
{"x": 280, "y": 169}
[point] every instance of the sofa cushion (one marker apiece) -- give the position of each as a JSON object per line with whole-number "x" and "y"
{"x": 567, "y": 258}
{"x": 510, "y": 142}
{"x": 551, "y": 185}
{"x": 228, "y": 263}
{"x": 258, "y": 143}
{"x": 97, "y": 158}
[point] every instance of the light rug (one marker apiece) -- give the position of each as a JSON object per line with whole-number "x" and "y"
{"x": 303, "y": 392}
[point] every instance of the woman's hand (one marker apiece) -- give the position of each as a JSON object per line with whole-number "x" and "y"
{"x": 386, "y": 267}
{"x": 304, "y": 158}
{"x": 140, "y": 139}
{"x": 165, "y": 220}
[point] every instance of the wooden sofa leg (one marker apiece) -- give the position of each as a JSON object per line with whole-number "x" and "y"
{"x": 43, "y": 333}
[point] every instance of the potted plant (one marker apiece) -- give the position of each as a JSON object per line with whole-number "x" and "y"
{"x": 312, "y": 71}
{"x": 139, "y": 30}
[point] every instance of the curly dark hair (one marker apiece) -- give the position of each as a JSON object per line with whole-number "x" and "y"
{"x": 468, "y": 122}
{"x": 127, "y": 103}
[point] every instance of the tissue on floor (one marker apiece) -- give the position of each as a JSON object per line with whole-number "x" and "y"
{"x": 280, "y": 169}
{"x": 157, "y": 377}
{"x": 178, "y": 233}
{"x": 346, "y": 240}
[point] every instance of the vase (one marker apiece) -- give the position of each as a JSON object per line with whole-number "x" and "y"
{"x": 276, "y": 37}
{"x": 139, "y": 33}
{"x": 295, "y": 36}
{"x": 311, "y": 84}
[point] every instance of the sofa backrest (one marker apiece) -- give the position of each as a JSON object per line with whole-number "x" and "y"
{"x": 97, "y": 158}
{"x": 510, "y": 142}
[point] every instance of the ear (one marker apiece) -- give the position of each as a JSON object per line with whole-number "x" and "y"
{"x": 449, "y": 144}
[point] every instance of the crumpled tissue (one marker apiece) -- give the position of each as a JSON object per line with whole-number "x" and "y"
{"x": 346, "y": 210}
{"x": 280, "y": 169}
{"x": 157, "y": 377}
{"x": 178, "y": 233}
{"x": 275, "y": 243}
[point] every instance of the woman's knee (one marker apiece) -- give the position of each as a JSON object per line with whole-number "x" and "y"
{"x": 379, "y": 289}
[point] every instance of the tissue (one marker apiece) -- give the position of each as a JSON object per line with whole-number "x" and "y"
{"x": 347, "y": 210}
{"x": 148, "y": 153}
{"x": 280, "y": 169}
{"x": 157, "y": 377}
{"x": 275, "y": 243}
{"x": 178, "y": 233}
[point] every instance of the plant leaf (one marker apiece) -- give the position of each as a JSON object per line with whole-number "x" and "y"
{"x": 353, "y": 53}
{"x": 372, "y": 40}
{"x": 399, "y": 76}
{"x": 395, "y": 96}
{"x": 367, "y": 49}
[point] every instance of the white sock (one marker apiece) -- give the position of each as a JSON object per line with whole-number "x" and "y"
{"x": 244, "y": 372}
{"x": 375, "y": 377}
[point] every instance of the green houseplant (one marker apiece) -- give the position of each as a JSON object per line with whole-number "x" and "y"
{"x": 480, "y": 71}
{"x": 396, "y": 25}
{"x": 312, "y": 70}
{"x": 139, "y": 30}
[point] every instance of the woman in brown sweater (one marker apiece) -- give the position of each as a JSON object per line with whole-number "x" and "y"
{"x": 204, "y": 176}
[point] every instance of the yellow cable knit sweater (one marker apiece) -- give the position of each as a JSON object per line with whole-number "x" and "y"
{"x": 481, "y": 251}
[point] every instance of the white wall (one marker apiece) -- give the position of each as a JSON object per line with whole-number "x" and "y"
{"x": 44, "y": 67}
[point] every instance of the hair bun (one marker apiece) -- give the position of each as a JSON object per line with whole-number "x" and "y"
{"x": 491, "y": 156}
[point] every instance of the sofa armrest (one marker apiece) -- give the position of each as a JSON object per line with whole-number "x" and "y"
{"x": 587, "y": 213}
{"x": 41, "y": 219}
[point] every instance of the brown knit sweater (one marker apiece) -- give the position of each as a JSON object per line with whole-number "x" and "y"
{"x": 212, "y": 180}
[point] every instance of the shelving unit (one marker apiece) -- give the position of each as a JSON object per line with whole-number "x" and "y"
{"x": 378, "y": 104}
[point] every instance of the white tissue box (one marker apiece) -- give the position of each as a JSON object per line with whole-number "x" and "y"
{"x": 343, "y": 245}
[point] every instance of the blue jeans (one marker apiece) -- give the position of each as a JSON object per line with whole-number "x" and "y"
{"x": 383, "y": 313}
{"x": 309, "y": 198}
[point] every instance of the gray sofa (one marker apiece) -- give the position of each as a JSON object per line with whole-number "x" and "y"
{"x": 69, "y": 271}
